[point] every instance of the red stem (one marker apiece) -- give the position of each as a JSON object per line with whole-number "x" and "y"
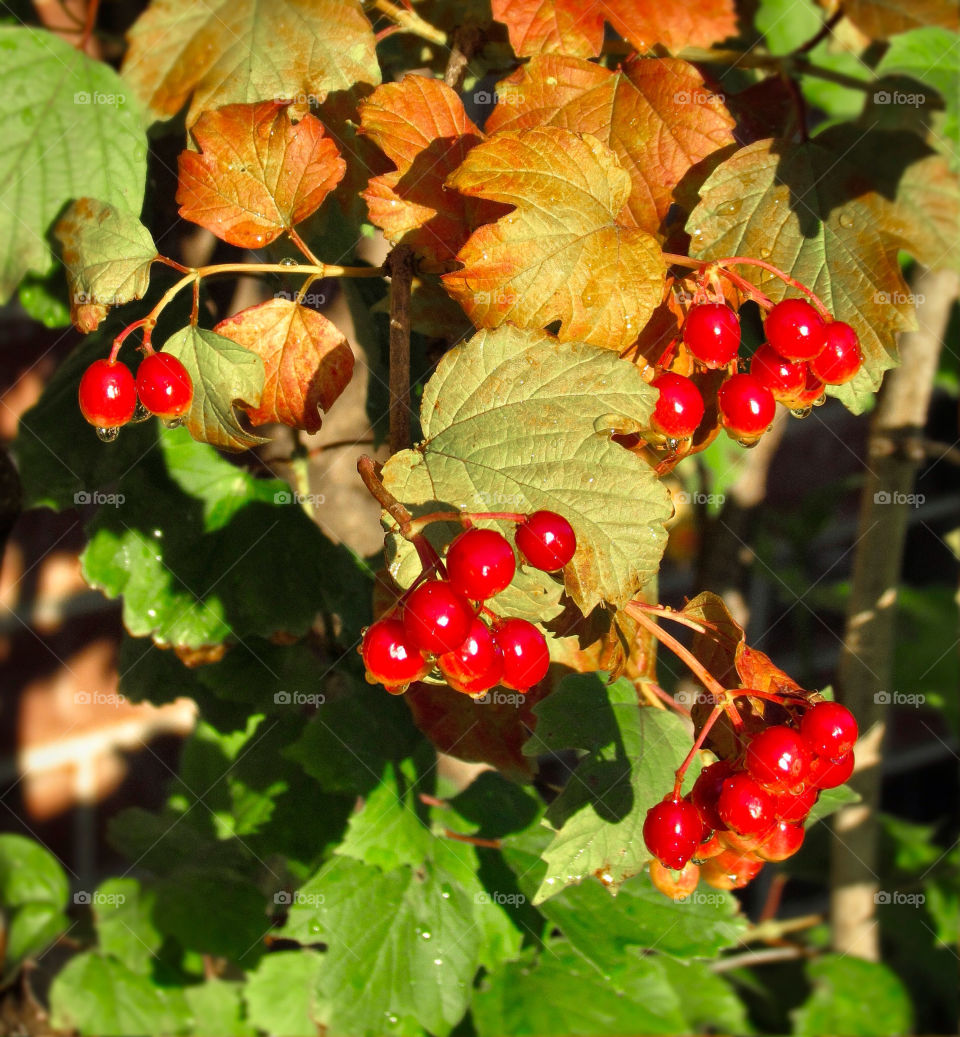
{"x": 698, "y": 744}
{"x": 669, "y": 700}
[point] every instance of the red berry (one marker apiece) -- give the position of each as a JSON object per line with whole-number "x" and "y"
{"x": 526, "y": 658}
{"x": 830, "y": 729}
{"x": 739, "y": 843}
{"x": 108, "y": 394}
{"x": 672, "y": 830}
{"x": 163, "y": 385}
{"x": 390, "y": 658}
{"x": 677, "y": 885}
{"x": 480, "y": 563}
{"x": 840, "y": 358}
{"x": 436, "y": 617}
{"x": 679, "y": 407}
{"x": 797, "y": 803}
{"x": 811, "y": 393}
{"x": 795, "y": 329}
{"x": 546, "y": 540}
{"x": 746, "y": 406}
{"x": 706, "y": 792}
{"x": 779, "y": 758}
{"x": 477, "y": 665}
{"x": 782, "y": 377}
{"x": 744, "y": 805}
{"x": 781, "y": 842}
{"x": 712, "y": 333}
{"x": 730, "y": 870}
{"x": 829, "y": 774}
{"x": 708, "y": 848}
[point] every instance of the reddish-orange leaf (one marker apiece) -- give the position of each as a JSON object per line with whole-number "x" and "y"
{"x": 307, "y": 360}
{"x": 258, "y": 173}
{"x": 543, "y": 26}
{"x": 757, "y": 671}
{"x": 573, "y": 27}
{"x": 561, "y": 254}
{"x": 657, "y": 114}
{"x": 421, "y": 126}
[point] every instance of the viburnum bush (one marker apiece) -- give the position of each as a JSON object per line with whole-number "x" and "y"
{"x": 612, "y": 234}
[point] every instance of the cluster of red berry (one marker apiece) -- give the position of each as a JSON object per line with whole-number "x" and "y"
{"x": 802, "y": 355}
{"x": 109, "y": 393}
{"x": 438, "y": 622}
{"x": 750, "y": 809}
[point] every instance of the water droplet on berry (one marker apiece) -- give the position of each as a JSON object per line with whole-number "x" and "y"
{"x": 172, "y": 422}
{"x": 140, "y": 414}
{"x": 747, "y": 442}
{"x": 108, "y": 435}
{"x": 801, "y": 412}
{"x": 821, "y": 399}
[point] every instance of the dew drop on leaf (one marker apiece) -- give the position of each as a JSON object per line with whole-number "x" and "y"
{"x": 846, "y": 220}
{"x": 730, "y": 208}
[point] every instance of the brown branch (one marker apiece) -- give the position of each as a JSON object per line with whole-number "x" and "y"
{"x": 399, "y": 266}
{"x": 463, "y": 45}
{"x": 866, "y": 659}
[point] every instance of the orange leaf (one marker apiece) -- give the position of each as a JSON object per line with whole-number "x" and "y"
{"x": 308, "y": 361}
{"x": 757, "y": 671}
{"x": 258, "y": 173}
{"x": 570, "y": 26}
{"x": 561, "y": 255}
{"x": 657, "y": 114}
{"x": 421, "y": 126}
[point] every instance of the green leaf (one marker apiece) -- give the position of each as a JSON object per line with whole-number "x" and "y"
{"x": 281, "y": 993}
{"x": 102, "y": 997}
{"x": 72, "y": 128}
{"x": 403, "y": 946}
{"x": 216, "y": 1007}
{"x": 514, "y": 414}
{"x": 803, "y": 208}
{"x": 603, "y": 928}
{"x": 123, "y": 916}
{"x": 343, "y": 750}
{"x": 107, "y": 251}
{"x": 851, "y": 996}
{"x": 631, "y": 754}
{"x": 185, "y": 564}
{"x": 29, "y": 873}
{"x": 830, "y": 801}
{"x": 213, "y": 911}
{"x": 45, "y": 299}
{"x": 558, "y": 993}
{"x": 708, "y": 1003}
{"x": 223, "y": 374}
{"x": 29, "y": 930}
{"x": 61, "y": 461}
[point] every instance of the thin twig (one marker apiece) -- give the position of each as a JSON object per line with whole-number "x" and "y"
{"x": 763, "y": 957}
{"x": 463, "y": 45}
{"x": 410, "y": 21}
{"x": 400, "y": 265}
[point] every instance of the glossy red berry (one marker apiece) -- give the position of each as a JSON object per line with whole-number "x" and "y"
{"x": 480, "y": 563}
{"x": 546, "y": 540}
{"x": 390, "y": 657}
{"x": 706, "y": 791}
{"x": 477, "y": 665}
{"x": 746, "y": 406}
{"x": 840, "y": 358}
{"x": 730, "y": 870}
{"x": 677, "y": 885}
{"x": 782, "y": 377}
{"x": 712, "y": 333}
{"x": 795, "y": 329}
{"x": 779, "y": 758}
{"x": 781, "y": 842}
{"x": 526, "y": 658}
{"x": 679, "y": 406}
{"x": 108, "y": 394}
{"x": 164, "y": 386}
{"x": 436, "y": 617}
{"x": 672, "y": 830}
{"x": 830, "y": 729}
{"x": 708, "y": 848}
{"x": 830, "y": 774}
{"x": 744, "y": 805}
{"x": 794, "y": 805}
{"x": 812, "y": 393}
